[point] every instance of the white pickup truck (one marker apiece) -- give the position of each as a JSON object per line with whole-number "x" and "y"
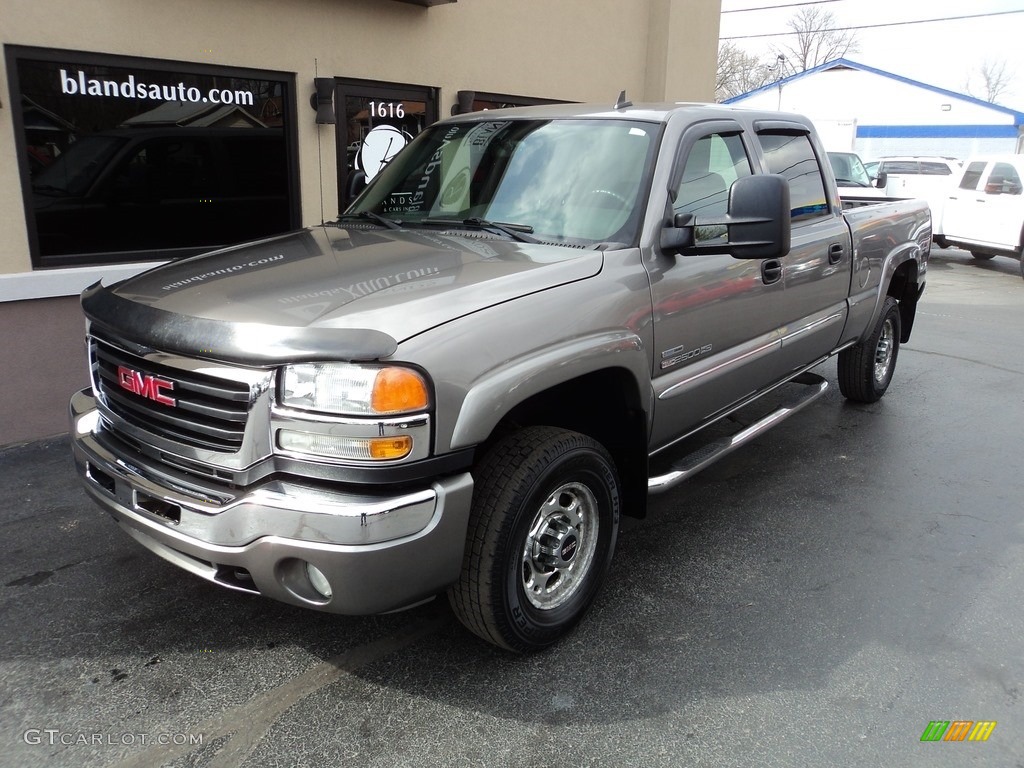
{"x": 984, "y": 212}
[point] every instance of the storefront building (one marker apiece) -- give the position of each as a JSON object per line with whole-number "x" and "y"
{"x": 134, "y": 134}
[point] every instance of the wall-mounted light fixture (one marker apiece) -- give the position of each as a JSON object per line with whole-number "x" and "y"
{"x": 322, "y": 100}
{"x": 464, "y": 103}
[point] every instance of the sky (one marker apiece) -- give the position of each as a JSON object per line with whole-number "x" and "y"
{"x": 945, "y": 54}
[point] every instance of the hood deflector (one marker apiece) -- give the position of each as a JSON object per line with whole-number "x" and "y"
{"x": 250, "y": 344}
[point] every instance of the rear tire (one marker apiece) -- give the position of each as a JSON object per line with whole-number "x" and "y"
{"x": 542, "y": 531}
{"x": 866, "y": 369}
{"x": 980, "y": 256}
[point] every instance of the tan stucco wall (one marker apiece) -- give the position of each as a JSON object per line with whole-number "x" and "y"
{"x": 579, "y": 50}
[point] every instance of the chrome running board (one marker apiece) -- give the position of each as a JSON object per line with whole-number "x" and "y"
{"x": 690, "y": 465}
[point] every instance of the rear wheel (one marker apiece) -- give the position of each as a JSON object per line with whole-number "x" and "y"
{"x": 980, "y": 256}
{"x": 866, "y": 369}
{"x": 541, "y": 535}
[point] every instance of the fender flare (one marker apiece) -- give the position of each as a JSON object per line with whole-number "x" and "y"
{"x": 492, "y": 395}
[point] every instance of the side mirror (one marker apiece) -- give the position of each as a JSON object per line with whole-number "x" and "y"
{"x": 881, "y": 180}
{"x": 678, "y": 236}
{"x": 758, "y": 224}
{"x": 759, "y": 210}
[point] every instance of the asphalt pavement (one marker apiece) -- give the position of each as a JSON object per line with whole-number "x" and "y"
{"x": 816, "y": 599}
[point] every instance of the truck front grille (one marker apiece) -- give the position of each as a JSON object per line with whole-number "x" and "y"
{"x": 185, "y": 406}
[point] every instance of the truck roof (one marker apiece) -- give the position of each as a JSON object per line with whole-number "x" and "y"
{"x": 655, "y": 112}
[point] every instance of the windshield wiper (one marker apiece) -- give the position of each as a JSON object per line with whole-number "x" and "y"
{"x": 376, "y": 218}
{"x": 515, "y": 231}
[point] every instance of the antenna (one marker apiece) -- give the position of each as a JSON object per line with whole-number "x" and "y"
{"x": 621, "y": 102}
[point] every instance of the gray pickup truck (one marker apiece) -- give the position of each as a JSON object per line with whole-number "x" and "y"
{"x": 519, "y": 330}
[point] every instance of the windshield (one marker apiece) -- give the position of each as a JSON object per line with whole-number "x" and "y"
{"x": 848, "y": 169}
{"x": 562, "y": 180}
{"x": 74, "y": 171}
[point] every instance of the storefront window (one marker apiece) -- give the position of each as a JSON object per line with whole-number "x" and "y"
{"x": 129, "y": 159}
{"x": 476, "y": 101}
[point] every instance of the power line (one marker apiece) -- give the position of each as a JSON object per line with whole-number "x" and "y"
{"x": 872, "y": 26}
{"x": 785, "y": 5}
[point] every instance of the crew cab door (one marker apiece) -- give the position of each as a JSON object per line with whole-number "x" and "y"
{"x": 987, "y": 207}
{"x": 815, "y": 274}
{"x": 715, "y": 339}
{"x": 1003, "y": 212}
{"x": 961, "y": 209}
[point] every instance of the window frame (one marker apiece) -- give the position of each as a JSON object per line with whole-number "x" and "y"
{"x": 345, "y": 87}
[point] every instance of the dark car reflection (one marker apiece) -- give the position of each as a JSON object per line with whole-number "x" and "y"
{"x": 162, "y": 189}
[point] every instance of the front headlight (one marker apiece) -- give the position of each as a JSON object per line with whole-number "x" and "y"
{"x": 352, "y": 414}
{"x": 353, "y": 390}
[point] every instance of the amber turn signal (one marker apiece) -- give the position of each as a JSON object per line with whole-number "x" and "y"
{"x": 398, "y": 390}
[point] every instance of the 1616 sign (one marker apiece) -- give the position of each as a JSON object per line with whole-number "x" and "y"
{"x": 387, "y": 109}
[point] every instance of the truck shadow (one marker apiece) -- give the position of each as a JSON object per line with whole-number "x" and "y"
{"x": 952, "y": 258}
{"x": 770, "y": 571}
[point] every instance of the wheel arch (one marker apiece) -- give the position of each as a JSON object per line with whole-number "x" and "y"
{"x": 607, "y": 406}
{"x": 904, "y": 286}
{"x": 605, "y": 399}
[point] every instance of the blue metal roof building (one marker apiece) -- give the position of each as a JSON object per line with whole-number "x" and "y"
{"x": 876, "y": 113}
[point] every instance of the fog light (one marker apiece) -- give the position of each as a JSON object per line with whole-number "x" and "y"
{"x": 336, "y": 447}
{"x": 318, "y": 580}
{"x": 86, "y": 423}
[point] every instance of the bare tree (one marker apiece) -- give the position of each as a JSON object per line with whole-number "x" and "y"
{"x": 817, "y": 40}
{"x": 995, "y": 80}
{"x": 740, "y": 72}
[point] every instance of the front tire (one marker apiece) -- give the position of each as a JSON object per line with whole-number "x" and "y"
{"x": 866, "y": 369}
{"x": 541, "y": 535}
{"x": 982, "y": 256}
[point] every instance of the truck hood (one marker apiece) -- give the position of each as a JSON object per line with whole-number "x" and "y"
{"x": 328, "y": 292}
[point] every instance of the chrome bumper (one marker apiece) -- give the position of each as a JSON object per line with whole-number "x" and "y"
{"x": 379, "y": 552}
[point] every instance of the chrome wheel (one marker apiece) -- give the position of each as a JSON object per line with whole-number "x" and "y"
{"x": 884, "y": 352}
{"x": 560, "y": 546}
{"x": 866, "y": 369}
{"x": 541, "y": 535}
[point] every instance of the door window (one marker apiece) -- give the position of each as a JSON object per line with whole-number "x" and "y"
{"x": 713, "y": 164}
{"x": 972, "y": 175}
{"x": 1003, "y": 180}
{"x": 792, "y": 156}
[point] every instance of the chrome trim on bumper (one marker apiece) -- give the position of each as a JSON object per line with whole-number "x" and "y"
{"x": 378, "y": 551}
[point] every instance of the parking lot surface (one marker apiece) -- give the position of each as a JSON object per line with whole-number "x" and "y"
{"x": 817, "y": 598}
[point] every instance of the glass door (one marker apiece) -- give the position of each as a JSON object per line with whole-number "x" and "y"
{"x": 375, "y": 120}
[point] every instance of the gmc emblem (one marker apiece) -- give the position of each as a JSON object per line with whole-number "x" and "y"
{"x": 147, "y": 386}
